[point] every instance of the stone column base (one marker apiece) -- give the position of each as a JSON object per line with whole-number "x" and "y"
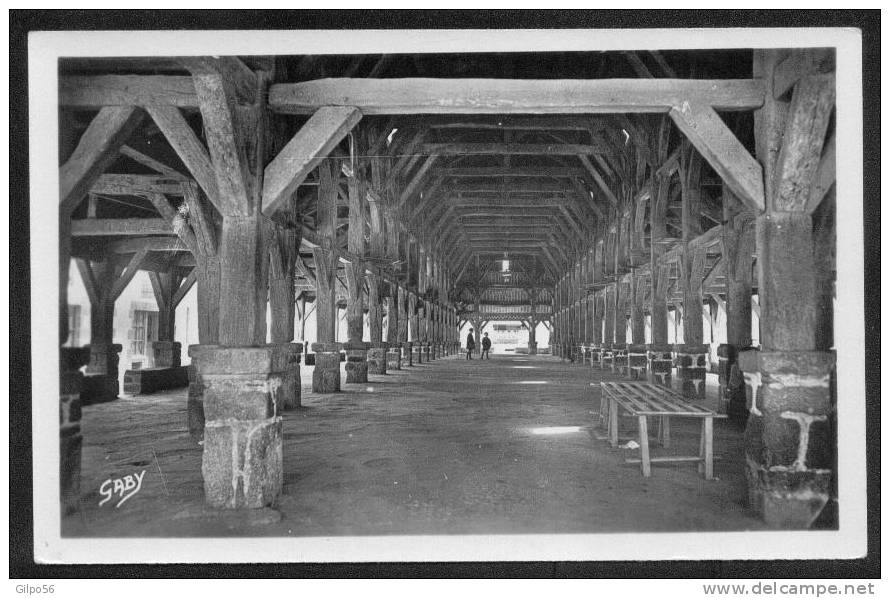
{"x": 790, "y": 438}
{"x": 394, "y": 358}
{"x": 326, "y": 375}
{"x": 732, "y": 385}
{"x": 417, "y": 353}
{"x": 104, "y": 359}
{"x": 70, "y": 438}
{"x": 377, "y": 357}
{"x": 243, "y": 389}
{"x": 149, "y": 380}
{"x": 637, "y": 362}
{"x": 195, "y": 404}
{"x": 408, "y": 354}
{"x": 167, "y": 354}
{"x": 660, "y": 364}
{"x": 426, "y": 352}
{"x": 533, "y": 348}
{"x": 607, "y": 356}
{"x": 692, "y": 367}
{"x": 356, "y": 362}
{"x": 619, "y": 360}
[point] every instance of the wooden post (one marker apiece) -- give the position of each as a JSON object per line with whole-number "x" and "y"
{"x": 326, "y": 376}
{"x": 356, "y": 349}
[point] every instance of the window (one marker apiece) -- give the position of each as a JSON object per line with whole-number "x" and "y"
{"x": 73, "y": 326}
{"x": 145, "y": 330}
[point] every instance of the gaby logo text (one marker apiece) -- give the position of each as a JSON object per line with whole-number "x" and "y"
{"x": 122, "y": 488}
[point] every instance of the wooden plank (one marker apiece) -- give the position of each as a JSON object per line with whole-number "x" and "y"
{"x": 96, "y": 150}
{"x": 170, "y": 243}
{"x": 511, "y": 96}
{"x": 512, "y": 149}
{"x": 799, "y": 158}
{"x": 601, "y": 183}
{"x": 127, "y": 90}
{"x": 225, "y": 141}
{"x": 799, "y": 63}
{"x": 128, "y": 273}
{"x": 500, "y": 172}
{"x": 723, "y": 151}
{"x": 150, "y": 162}
{"x": 184, "y": 287}
{"x": 89, "y": 279}
{"x": 136, "y": 184}
{"x": 101, "y": 227}
{"x": 189, "y": 149}
{"x": 825, "y": 176}
{"x": 303, "y": 153}
{"x": 415, "y": 180}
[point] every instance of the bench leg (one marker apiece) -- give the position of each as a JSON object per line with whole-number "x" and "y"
{"x": 664, "y": 424}
{"x": 708, "y": 433}
{"x": 613, "y": 423}
{"x": 644, "y": 447}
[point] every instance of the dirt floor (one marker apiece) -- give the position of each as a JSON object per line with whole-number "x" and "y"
{"x": 508, "y": 445}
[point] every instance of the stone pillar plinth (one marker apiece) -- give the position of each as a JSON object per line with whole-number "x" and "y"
{"x": 732, "y": 384}
{"x": 377, "y": 358}
{"x": 243, "y": 389}
{"x": 394, "y": 358}
{"x": 357, "y": 356}
{"x": 426, "y": 351}
{"x": 660, "y": 364}
{"x": 606, "y": 356}
{"x": 636, "y": 362}
{"x": 100, "y": 384}
{"x": 195, "y": 403}
{"x": 619, "y": 359}
{"x": 326, "y": 375}
{"x": 789, "y": 436}
{"x": 167, "y": 354}
{"x": 291, "y": 396}
{"x": 417, "y": 352}
{"x": 692, "y": 366}
{"x": 596, "y": 356}
{"x": 70, "y": 438}
{"x": 533, "y": 348}
{"x": 408, "y": 354}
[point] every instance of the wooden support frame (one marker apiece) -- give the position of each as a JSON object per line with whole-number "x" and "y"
{"x": 302, "y": 154}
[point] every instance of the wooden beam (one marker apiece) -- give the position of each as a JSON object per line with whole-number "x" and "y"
{"x": 218, "y": 92}
{"x": 136, "y": 184}
{"x": 127, "y": 90}
{"x": 598, "y": 179}
{"x": 189, "y": 149}
{"x": 184, "y": 287}
{"x": 799, "y": 63}
{"x": 97, "y": 149}
{"x": 150, "y": 162}
{"x": 515, "y": 172}
{"x": 170, "y": 243}
{"x": 312, "y": 143}
{"x": 825, "y": 176}
{"x": 101, "y": 227}
{"x": 799, "y": 158}
{"x": 415, "y": 180}
{"x": 512, "y": 149}
{"x": 129, "y": 272}
{"x": 506, "y": 96}
{"x": 723, "y": 151}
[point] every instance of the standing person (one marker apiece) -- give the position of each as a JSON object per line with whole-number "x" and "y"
{"x": 486, "y": 346}
{"x": 471, "y": 344}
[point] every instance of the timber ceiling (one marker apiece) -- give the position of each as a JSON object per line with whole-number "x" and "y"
{"x": 539, "y": 190}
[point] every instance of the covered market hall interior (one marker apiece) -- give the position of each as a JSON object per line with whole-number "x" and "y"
{"x": 647, "y": 237}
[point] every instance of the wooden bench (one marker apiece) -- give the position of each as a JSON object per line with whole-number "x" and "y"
{"x": 642, "y": 400}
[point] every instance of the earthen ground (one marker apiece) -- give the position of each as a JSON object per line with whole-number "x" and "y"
{"x": 509, "y": 445}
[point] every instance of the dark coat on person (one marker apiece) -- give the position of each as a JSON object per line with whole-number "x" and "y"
{"x": 471, "y": 342}
{"x": 486, "y": 343}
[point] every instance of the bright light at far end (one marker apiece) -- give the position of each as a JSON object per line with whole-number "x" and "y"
{"x": 532, "y": 382}
{"x": 554, "y": 430}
